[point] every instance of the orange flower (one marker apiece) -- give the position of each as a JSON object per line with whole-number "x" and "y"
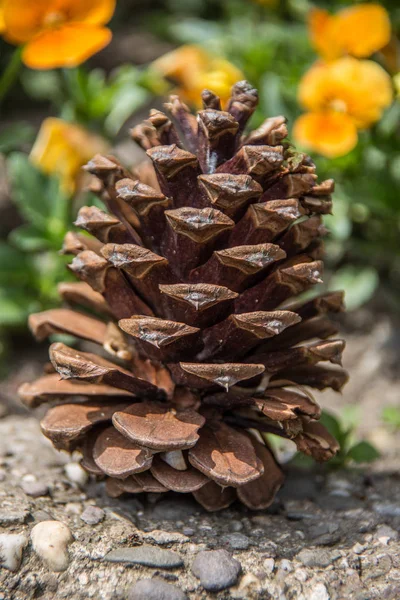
{"x": 342, "y": 96}
{"x": 57, "y": 33}
{"x": 193, "y": 70}
{"x": 358, "y": 30}
{"x": 2, "y": 24}
{"x": 62, "y": 148}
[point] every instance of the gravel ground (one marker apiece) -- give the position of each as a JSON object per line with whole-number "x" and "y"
{"x": 328, "y": 536}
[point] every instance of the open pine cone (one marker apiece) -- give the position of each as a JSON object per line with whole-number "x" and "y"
{"x": 201, "y": 346}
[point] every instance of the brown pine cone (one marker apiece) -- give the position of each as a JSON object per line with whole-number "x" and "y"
{"x": 189, "y": 295}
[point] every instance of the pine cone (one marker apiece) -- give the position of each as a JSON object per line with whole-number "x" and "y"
{"x": 201, "y": 348}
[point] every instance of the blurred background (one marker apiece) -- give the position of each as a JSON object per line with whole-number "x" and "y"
{"x": 332, "y": 69}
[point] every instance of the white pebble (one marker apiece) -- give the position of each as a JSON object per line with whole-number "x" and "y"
{"x": 11, "y": 548}
{"x": 50, "y": 540}
{"x": 76, "y": 474}
{"x": 319, "y": 592}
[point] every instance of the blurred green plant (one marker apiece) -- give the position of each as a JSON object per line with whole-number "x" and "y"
{"x": 90, "y": 97}
{"x": 391, "y": 417}
{"x": 343, "y": 429}
{"x": 30, "y": 263}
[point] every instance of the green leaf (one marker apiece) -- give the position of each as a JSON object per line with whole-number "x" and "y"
{"x": 28, "y": 186}
{"x": 28, "y": 239}
{"x": 271, "y": 94}
{"x": 14, "y": 265}
{"x": 359, "y": 284}
{"x": 15, "y": 136}
{"x": 363, "y": 452}
{"x": 15, "y": 307}
{"x": 42, "y": 85}
{"x": 124, "y": 104}
{"x": 391, "y": 416}
{"x": 332, "y": 424}
{"x": 39, "y": 198}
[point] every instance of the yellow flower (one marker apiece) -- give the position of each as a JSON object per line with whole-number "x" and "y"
{"x": 328, "y": 132}
{"x": 62, "y": 148}
{"x": 357, "y": 30}
{"x": 341, "y": 97}
{"x": 57, "y": 33}
{"x": 2, "y": 24}
{"x": 193, "y": 70}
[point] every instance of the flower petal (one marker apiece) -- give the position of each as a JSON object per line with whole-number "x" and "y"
{"x": 360, "y": 88}
{"x": 93, "y": 12}
{"x": 364, "y": 86}
{"x": 66, "y": 46}
{"x": 2, "y": 23}
{"x": 62, "y": 148}
{"x": 23, "y": 19}
{"x": 329, "y": 133}
{"x": 363, "y": 29}
{"x": 358, "y": 30}
{"x": 323, "y": 34}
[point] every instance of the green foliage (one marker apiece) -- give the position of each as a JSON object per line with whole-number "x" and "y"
{"x": 90, "y": 97}
{"x": 343, "y": 430}
{"x": 391, "y": 417}
{"x": 30, "y": 263}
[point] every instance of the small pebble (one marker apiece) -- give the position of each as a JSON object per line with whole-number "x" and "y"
{"x": 155, "y": 589}
{"x": 387, "y": 509}
{"x": 149, "y": 556}
{"x": 188, "y": 531}
{"x": 92, "y": 515}
{"x": 237, "y": 541}
{"x": 76, "y": 473}
{"x": 11, "y": 548}
{"x": 269, "y": 565}
{"x": 216, "y": 569}
{"x": 13, "y": 517}
{"x": 50, "y": 540}
{"x": 35, "y": 488}
{"x": 165, "y": 537}
{"x": 314, "y": 558}
{"x": 319, "y": 592}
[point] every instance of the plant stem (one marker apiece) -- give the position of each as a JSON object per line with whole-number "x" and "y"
{"x": 10, "y": 73}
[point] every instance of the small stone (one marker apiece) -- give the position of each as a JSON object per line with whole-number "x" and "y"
{"x": 35, "y": 488}
{"x": 41, "y": 515}
{"x": 11, "y": 548}
{"x": 236, "y": 525}
{"x": 216, "y": 569}
{"x": 314, "y": 558}
{"x": 166, "y": 537}
{"x": 358, "y": 548}
{"x": 384, "y": 534}
{"x": 92, "y": 515}
{"x": 50, "y": 540}
{"x": 155, "y": 589}
{"x": 269, "y": 565}
{"x": 319, "y": 592}
{"x": 237, "y": 541}
{"x": 148, "y": 556}
{"x": 387, "y": 509}
{"x": 13, "y": 517}
{"x": 188, "y": 531}
{"x": 324, "y": 534}
{"x": 76, "y": 473}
